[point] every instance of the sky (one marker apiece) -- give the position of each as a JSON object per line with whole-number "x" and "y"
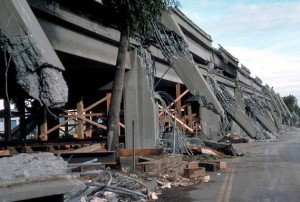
{"x": 263, "y": 34}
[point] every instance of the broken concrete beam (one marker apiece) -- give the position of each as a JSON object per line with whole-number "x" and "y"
{"x": 212, "y": 167}
{"x": 194, "y": 172}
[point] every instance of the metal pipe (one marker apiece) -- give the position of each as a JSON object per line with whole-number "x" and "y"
{"x": 133, "y": 147}
{"x": 174, "y": 134}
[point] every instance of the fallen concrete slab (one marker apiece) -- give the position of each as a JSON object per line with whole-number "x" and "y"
{"x": 39, "y": 188}
{"x": 25, "y": 45}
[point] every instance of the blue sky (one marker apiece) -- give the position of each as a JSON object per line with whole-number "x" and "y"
{"x": 264, "y": 35}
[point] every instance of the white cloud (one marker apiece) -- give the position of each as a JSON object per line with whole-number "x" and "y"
{"x": 193, "y": 15}
{"x": 258, "y": 18}
{"x": 275, "y": 69}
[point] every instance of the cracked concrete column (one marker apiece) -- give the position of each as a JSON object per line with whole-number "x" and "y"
{"x": 139, "y": 107}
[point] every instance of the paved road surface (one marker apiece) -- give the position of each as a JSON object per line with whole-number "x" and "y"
{"x": 269, "y": 172}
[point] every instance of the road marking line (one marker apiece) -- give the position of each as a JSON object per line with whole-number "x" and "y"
{"x": 223, "y": 187}
{"x": 227, "y": 183}
{"x": 230, "y": 183}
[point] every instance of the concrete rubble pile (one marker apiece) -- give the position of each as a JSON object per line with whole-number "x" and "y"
{"x": 31, "y": 165}
{"x": 38, "y": 175}
{"x": 145, "y": 183}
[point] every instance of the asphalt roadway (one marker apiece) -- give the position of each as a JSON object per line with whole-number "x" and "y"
{"x": 268, "y": 172}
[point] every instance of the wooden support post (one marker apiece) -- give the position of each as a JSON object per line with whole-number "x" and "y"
{"x": 7, "y": 121}
{"x": 178, "y": 103}
{"x": 80, "y": 126}
{"x": 44, "y": 125}
{"x": 85, "y": 119}
{"x": 108, "y": 96}
{"x": 190, "y": 118}
{"x": 66, "y": 127}
{"x": 179, "y": 121}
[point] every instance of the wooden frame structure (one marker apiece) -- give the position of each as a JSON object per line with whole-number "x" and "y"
{"x": 81, "y": 116}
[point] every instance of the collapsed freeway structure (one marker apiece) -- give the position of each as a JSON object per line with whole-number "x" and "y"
{"x": 58, "y": 64}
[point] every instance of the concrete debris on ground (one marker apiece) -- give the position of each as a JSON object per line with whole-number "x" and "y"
{"x": 235, "y": 138}
{"x": 199, "y": 146}
{"x": 205, "y": 150}
{"x": 35, "y": 176}
{"x": 100, "y": 184}
{"x": 31, "y": 165}
{"x": 161, "y": 172}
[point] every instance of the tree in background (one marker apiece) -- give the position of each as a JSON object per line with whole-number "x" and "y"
{"x": 133, "y": 19}
{"x": 291, "y": 103}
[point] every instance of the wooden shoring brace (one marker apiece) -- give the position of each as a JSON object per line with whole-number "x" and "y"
{"x": 178, "y": 104}
{"x": 80, "y": 115}
{"x": 179, "y": 121}
{"x": 44, "y": 126}
{"x": 108, "y": 96}
{"x": 55, "y": 127}
{"x": 94, "y": 104}
{"x": 189, "y": 113}
{"x": 175, "y": 101}
{"x": 80, "y": 123}
{"x": 85, "y": 119}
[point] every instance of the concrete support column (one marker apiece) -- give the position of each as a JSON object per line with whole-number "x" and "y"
{"x": 139, "y": 107}
{"x": 210, "y": 123}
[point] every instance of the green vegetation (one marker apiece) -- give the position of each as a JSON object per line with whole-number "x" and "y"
{"x": 291, "y": 103}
